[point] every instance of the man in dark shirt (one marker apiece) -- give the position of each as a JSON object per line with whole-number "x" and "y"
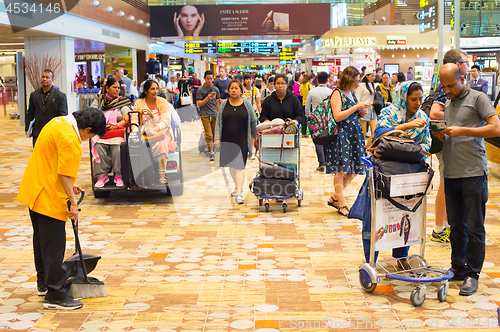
{"x": 208, "y": 101}
{"x": 44, "y": 104}
{"x": 222, "y": 83}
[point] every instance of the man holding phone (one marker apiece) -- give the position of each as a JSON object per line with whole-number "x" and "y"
{"x": 470, "y": 118}
{"x": 208, "y": 101}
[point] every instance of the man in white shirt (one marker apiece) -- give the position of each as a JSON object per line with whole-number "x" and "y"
{"x": 314, "y": 98}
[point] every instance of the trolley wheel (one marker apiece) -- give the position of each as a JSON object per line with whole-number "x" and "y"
{"x": 443, "y": 291}
{"x": 416, "y": 261}
{"x": 365, "y": 279}
{"x": 299, "y": 202}
{"x": 260, "y": 201}
{"x": 285, "y": 207}
{"x": 417, "y": 297}
{"x": 267, "y": 207}
{"x": 102, "y": 194}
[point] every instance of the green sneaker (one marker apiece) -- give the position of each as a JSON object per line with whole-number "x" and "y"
{"x": 443, "y": 236}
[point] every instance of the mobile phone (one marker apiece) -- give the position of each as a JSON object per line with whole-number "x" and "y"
{"x": 438, "y": 125}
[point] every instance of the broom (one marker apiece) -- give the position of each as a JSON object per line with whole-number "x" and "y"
{"x": 88, "y": 287}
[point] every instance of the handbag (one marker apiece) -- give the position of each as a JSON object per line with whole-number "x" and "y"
{"x": 149, "y": 124}
{"x": 290, "y": 127}
{"x": 397, "y": 148}
{"x": 384, "y": 169}
{"x": 186, "y": 99}
{"x": 378, "y": 102}
{"x": 277, "y": 172}
{"x": 322, "y": 125}
{"x": 112, "y": 133}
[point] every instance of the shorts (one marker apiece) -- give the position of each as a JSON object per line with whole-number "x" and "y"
{"x": 439, "y": 156}
{"x": 371, "y": 115}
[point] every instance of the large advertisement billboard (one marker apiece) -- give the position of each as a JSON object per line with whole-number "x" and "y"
{"x": 239, "y": 20}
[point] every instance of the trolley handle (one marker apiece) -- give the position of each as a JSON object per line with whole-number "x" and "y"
{"x": 367, "y": 161}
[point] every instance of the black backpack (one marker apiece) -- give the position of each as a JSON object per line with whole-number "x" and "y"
{"x": 437, "y": 144}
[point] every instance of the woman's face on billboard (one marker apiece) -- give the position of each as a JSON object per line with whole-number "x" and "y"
{"x": 189, "y": 17}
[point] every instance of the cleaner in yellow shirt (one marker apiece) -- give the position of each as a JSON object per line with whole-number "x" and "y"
{"x": 48, "y": 180}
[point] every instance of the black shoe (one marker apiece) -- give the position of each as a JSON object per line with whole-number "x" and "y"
{"x": 66, "y": 304}
{"x": 212, "y": 158}
{"x": 457, "y": 276}
{"x": 469, "y": 286}
{"x": 41, "y": 290}
{"x": 321, "y": 168}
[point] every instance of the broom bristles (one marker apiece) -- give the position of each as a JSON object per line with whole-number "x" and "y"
{"x": 79, "y": 289}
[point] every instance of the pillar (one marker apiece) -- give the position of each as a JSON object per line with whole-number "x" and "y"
{"x": 64, "y": 48}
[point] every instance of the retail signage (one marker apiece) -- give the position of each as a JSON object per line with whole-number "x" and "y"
{"x": 89, "y": 56}
{"x": 239, "y": 20}
{"x": 396, "y": 41}
{"x": 348, "y": 42}
{"x": 327, "y": 63}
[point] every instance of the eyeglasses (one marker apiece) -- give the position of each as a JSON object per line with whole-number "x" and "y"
{"x": 467, "y": 62}
{"x": 282, "y": 83}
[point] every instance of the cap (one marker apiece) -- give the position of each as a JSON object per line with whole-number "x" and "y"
{"x": 368, "y": 71}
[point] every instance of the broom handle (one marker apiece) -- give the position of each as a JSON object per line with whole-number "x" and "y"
{"x": 74, "y": 223}
{"x": 79, "y": 249}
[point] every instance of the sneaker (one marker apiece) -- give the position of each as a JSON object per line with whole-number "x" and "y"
{"x": 41, "y": 290}
{"x": 212, "y": 158}
{"x": 66, "y": 304}
{"x": 119, "y": 181}
{"x": 443, "y": 236}
{"x": 321, "y": 169}
{"x": 101, "y": 182}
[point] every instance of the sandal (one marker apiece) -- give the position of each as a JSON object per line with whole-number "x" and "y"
{"x": 234, "y": 193}
{"x": 238, "y": 199}
{"x": 163, "y": 179}
{"x": 333, "y": 203}
{"x": 343, "y": 208}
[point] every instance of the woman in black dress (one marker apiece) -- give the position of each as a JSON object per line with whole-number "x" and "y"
{"x": 234, "y": 130}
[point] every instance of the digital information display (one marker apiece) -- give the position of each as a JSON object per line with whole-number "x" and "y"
{"x": 287, "y": 56}
{"x": 234, "y": 47}
{"x": 200, "y": 47}
{"x": 428, "y": 16}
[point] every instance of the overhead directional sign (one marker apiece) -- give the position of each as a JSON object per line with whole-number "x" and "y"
{"x": 428, "y": 16}
{"x": 286, "y": 56}
{"x": 200, "y": 47}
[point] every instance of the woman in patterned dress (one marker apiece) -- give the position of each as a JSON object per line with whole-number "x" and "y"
{"x": 343, "y": 155}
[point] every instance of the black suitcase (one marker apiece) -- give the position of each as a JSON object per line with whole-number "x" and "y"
{"x": 273, "y": 187}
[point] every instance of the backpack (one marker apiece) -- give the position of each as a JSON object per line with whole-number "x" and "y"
{"x": 378, "y": 102}
{"x": 437, "y": 144}
{"x": 202, "y": 143}
{"x": 322, "y": 125}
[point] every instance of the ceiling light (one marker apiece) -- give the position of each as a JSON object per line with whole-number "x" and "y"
{"x": 131, "y": 18}
{"x": 148, "y": 24}
{"x": 121, "y": 13}
{"x": 140, "y": 21}
{"x": 110, "y": 9}
{"x": 96, "y": 3}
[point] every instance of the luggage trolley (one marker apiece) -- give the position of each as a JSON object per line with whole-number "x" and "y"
{"x": 282, "y": 149}
{"x": 419, "y": 272}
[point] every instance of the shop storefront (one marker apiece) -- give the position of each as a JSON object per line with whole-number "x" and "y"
{"x": 382, "y": 47}
{"x": 89, "y": 69}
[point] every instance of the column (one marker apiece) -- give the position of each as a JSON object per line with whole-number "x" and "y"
{"x": 64, "y": 48}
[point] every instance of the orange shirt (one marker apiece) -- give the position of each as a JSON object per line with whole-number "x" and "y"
{"x": 57, "y": 152}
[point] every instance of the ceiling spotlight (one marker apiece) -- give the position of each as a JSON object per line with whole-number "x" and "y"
{"x": 140, "y": 21}
{"x": 418, "y": 55}
{"x": 121, "y": 13}
{"x": 148, "y": 24}
{"x": 131, "y": 18}
{"x": 96, "y": 3}
{"x": 110, "y": 9}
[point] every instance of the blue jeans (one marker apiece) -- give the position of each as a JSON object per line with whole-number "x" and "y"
{"x": 466, "y": 208}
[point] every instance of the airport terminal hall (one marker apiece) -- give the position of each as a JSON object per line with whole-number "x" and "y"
{"x": 249, "y": 166}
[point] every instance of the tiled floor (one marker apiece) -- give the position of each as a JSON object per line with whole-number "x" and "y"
{"x": 200, "y": 263}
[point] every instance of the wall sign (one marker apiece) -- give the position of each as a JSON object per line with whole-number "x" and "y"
{"x": 348, "y": 42}
{"x": 89, "y": 56}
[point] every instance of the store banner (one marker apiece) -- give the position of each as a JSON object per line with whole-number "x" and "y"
{"x": 239, "y": 20}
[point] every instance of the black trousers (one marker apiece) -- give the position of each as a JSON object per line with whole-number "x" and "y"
{"x": 321, "y": 153}
{"x": 49, "y": 244}
{"x": 466, "y": 208}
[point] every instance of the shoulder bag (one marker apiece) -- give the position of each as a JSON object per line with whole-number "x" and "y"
{"x": 378, "y": 102}
{"x": 397, "y": 148}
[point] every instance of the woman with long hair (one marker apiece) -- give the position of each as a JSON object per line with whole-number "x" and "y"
{"x": 162, "y": 114}
{"x": 365, "y": 93}
{"x": 343, "y": 155}
{"x": 189, "y": 22}
{"x": 106, "y": 151}
{"x": 234, "y": 130}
